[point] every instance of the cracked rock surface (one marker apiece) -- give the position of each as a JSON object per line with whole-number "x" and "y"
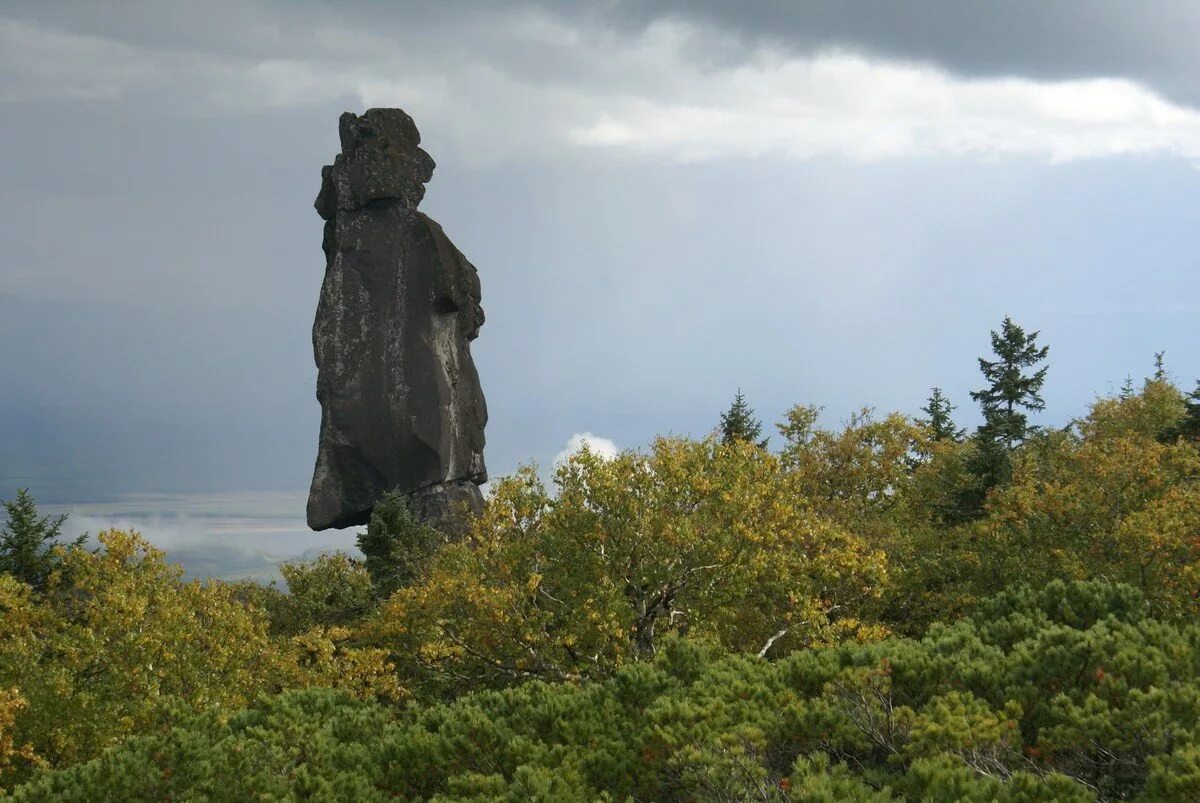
{"x": 401, "y": 406}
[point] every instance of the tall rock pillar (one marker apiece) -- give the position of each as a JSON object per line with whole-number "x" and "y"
{"x": 401, "y": 406}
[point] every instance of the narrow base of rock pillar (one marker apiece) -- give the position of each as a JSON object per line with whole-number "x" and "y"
{"x": 448, "y": 506}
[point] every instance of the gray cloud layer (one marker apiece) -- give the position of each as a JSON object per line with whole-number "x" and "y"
{"x": 1153, "y": 42}
{"x": 835, "y": 229}
{"x": 668, "y": 80}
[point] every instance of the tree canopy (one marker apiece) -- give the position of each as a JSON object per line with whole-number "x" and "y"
{"x": 739, "y": 424}
{"x": 940, "y": 417}
{"x": 1011, "y": 391}
{"x": 27, "y": 541}
{"x": 879, "y": 609}
{"x": 1067, "y": 692}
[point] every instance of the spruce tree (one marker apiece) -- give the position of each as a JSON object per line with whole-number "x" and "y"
{"x": 1011, "y": 391}
{"x": 27, "y": 541}
{"x": 940, "y": 421}
{"x": 1189, "y": 427}
{"x": 397, "y": 545}
{"x": 739, "y": 423}
{"x": 1160, "y": 366}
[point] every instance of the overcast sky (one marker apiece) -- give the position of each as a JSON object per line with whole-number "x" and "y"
{"x": 826, "y": 203}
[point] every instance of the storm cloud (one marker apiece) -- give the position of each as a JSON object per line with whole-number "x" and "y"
{"x": 683, "y": 81}
{"x": 823, "y": 203}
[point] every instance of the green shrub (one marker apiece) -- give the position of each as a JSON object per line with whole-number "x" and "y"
{"x": 327, "y": 591}
{"x": 396, "y": 544}
{"x": 1068, "y": 692}
{"x": 27, "y": 541}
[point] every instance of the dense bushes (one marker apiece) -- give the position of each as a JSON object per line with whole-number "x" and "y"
{"x": 1105, "y": 498}
{"x": 702, "y": 538}
{"x": 116, "y": 643}
{"x": 1069, "y": 692}
{"x": 706, "y": 620}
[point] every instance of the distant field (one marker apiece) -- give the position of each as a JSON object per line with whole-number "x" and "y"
{"x": 232, "y": 536}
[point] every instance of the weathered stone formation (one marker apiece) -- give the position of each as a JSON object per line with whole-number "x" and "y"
{"x": 401, "y": 406}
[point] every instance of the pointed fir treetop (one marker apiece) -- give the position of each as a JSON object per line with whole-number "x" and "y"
{"x": 739, "y": 423}
{"x": 940, "y": 420}
{"x": 1160, "y": 366}
{"x": 27, "y": 540}
{"x": 1011, "y": 390}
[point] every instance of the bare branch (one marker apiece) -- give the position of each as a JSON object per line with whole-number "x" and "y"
{"x": 771, "y": 641}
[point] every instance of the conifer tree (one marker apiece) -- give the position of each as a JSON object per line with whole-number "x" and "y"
{"x": 1189, "y": 427}
{"x": 739, "y": 423}
{"x": 940, "y": 421}
{"x": 1010, "y": 390}
{"x": 27, "y": 541}
{"x": 396, "y": 544}
{"x": 1160, "y": 367}
{"x": 1009, "y": 394}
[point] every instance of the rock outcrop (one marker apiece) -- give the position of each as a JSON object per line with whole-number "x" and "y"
{"x": 401, "y": 406}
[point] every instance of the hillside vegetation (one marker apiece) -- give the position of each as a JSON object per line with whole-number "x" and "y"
{"x": 893, "y": 609}
{"x": 1064, "y": 693}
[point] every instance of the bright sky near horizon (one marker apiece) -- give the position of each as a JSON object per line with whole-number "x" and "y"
{"x": 815, "y": 202}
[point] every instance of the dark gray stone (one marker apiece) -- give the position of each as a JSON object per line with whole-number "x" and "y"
{"x": 442, "y": 505}
{"x": 401, "y": 406}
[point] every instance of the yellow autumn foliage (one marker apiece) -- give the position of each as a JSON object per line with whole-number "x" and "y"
{"x": 12, "y": 753}
{"x": 1109, "y": 498}
{"x": 694, "y": 537}
{"x": 117, "y": 642}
